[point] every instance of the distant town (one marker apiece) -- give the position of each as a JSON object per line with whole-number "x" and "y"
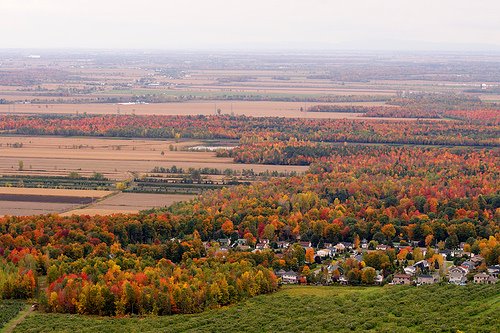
{"x": 414, "y": 265}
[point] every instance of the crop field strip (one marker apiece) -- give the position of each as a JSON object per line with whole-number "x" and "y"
{"x": 255, "y": 109}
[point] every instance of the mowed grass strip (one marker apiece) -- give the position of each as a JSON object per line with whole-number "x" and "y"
{"x": 314, "y": 309}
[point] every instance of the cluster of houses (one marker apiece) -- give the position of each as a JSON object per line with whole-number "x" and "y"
{"x": 419, "y": 273}
{"x": 456, "y": 275}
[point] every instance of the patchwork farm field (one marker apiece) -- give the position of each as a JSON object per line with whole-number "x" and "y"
{"x": 313, "y": 309}
{"x": 114, "y": 158}
{"x": 128, "y": 203}
{"x": 31, "y": 201}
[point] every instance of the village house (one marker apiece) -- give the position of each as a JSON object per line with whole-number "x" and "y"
{"x": 224, "y": 241}
{"x": 241, "y": 244}
{"x": 379, "y": 279}
{"x": 494, "y": 270}
{"x": 401, "y": 279}
{"x": 467, "y": 254}
{"x": 324, "y": 253}
{"x": 283, "y": 244}
{"x": 423, "y": 265}
{"x": 290, "y": 277}
{"x": 241, "y": 241}
{"x": 457, "y": 275}
{"x": 348, "y": 245}
{"x": 469, "y": 265}
{"x": 261, "y": 246}
{"x": 483, "y": 278}
{"x": 280, "y": 273}
{"x": 382, "y": 247}
{"x": 332, "y": 250}
{"x": 410, "y": 270}
{"x": 305, "y": 244}
{"x": 451, "y": 253}
{"x": 364, "y": 244}
{"x": 426, "y": 279}
{"x": 477, "y": 260}
{"x": 339, "y": 247}
{"x": 445, "y": 253}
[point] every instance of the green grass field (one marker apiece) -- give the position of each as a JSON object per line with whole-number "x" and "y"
{"x": 314, "y": 309}
{"x": 9, "y": 310}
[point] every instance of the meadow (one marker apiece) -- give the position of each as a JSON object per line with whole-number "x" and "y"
{"x": 314, "y": 309}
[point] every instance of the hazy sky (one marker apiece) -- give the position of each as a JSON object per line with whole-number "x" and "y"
{"x": 174, "y": 24}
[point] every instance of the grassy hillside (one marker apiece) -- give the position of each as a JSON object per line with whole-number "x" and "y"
{"x": 314, "y": 309}
{"x": 9, "y": 310}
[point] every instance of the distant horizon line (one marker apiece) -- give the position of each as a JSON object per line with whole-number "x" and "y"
{"x": 253, "y": 50}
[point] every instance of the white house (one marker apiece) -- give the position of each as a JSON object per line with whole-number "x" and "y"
{"x": 343, "y": 280}
{"x": 410, "y": 270}
{"x": 457, "y": 275}
{"x": 323, "y": 253}
{"x": 340, "y": 247}
{"x": 290, "y": 277}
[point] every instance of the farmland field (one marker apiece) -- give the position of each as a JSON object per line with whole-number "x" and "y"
{"x": 129, "y": 203}
{"x": 30, "y": 201}
{"x": 175, "y": 192}
{"x": 52, "y": 192}
{"x": 114, "y": 158}
{"x": 248, "y": 108}
{"x": 314, "y": 309}
{"x": 21, "y": 208}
